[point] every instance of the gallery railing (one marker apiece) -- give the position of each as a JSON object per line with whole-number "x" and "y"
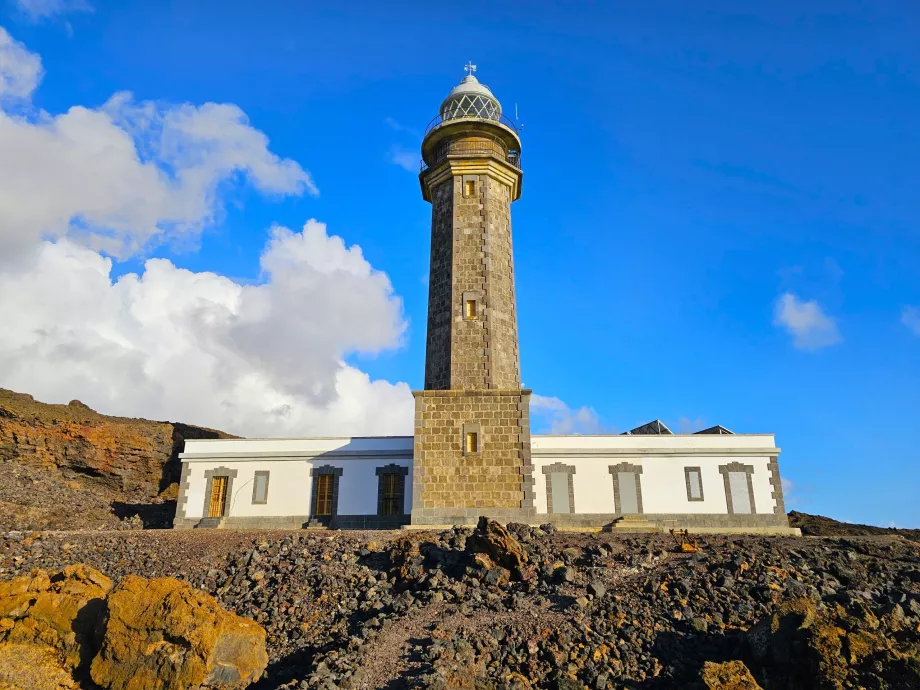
{"x": 448, "y": 115}
{"x": 474, "y": 148}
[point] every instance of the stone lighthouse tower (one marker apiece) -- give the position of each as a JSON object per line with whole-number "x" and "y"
{"x": 472, "y": 421}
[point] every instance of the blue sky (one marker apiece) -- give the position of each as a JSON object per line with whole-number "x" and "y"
{"x": 720, "y": 220}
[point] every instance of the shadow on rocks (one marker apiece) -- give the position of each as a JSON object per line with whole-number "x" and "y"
{"x": 152, "y": 515}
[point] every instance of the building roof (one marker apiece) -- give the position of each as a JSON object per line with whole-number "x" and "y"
{"x": 654, "y": 428}
{"x": 717, "y": 429}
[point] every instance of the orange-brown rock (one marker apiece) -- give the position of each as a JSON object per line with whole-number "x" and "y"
{"x": 27, "y": 667}
{"x": 162, "y": 634}
{"x": 63, "y": 466}
{"x": 496, "y": 542}
{"x": 57, "y": 613}
{"x": 731, "y": 675}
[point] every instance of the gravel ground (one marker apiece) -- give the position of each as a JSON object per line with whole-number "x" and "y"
{"x": 394, "y": 610}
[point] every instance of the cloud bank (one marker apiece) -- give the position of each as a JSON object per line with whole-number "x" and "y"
{"x": 91, "y": 186}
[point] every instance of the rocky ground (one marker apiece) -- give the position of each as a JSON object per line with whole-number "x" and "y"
{"x": 451, "y": 610}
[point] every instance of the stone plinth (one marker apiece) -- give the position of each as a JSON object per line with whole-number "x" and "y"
{"x": 452, "y": 486}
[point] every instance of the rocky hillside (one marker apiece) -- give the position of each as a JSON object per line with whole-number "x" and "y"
{"x": 539, "y": 609}
{"x": 819, "y": 526}
{"x": 68, "y": 467}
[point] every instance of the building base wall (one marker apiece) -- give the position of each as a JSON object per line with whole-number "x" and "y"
{"x": 356, "y": 522}
{"x": 451, "y": 484}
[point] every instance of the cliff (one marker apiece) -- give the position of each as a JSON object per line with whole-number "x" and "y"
{"x": 69, "y": 467}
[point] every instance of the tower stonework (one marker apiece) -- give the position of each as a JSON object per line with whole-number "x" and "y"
{"x": 472, "y": 421}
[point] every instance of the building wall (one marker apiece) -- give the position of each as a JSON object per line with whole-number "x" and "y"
{"x": 448, "y": 487}
{"x": 662, "y": 480}
{"x": 289, "y": 463}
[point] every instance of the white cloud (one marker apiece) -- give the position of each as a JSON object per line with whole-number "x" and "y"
{"x": 685, "y": 425}
{"x": 20, "y": 70}
{"x": 43, "y": 9}
{"x": 126, "y": 175}
{"x": 407, "y": 160}
{"x": 789, "y": 497}
{"x": 265, "y": 359}
{"x": 399, "y": 127}
{"x": 809, "y": 326}
{"x": 559, "y": 418}
{"x": 197, "y": 347}
{"x": 910, "y": 317}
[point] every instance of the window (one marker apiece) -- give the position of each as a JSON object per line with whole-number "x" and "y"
{"x": 472, "y": 442}
{"x": 629, "y": 493}
{"x": 324, "y": 483}
{"x": 260, "y": 488}
{"x": 694, "y": 480}
{"x": 469, "y": 188}
{"x": 391, "y": 489}
{"x": 739, "y": 488}
{"x": 559, "y": 487}
{"x": 470, "y": 306}
{"x": 218, "y": 503}
{"x": 390, "y": 494}
{"x": 741, "y": 496}
{"x": 627, "y": 488}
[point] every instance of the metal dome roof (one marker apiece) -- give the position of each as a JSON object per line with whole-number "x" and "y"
{"x": 469, "y": 98}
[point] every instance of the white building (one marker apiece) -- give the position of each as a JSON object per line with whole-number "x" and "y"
{"x": 711, "y": 481}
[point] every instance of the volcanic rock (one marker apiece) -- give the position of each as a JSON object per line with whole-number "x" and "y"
{"x": 162, "y": 633}
{"x": 496, "y": 542}
{"x": 56, "y": 613}
{"x": 731, "y": 675}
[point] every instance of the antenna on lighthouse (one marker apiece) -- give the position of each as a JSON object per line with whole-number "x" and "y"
{"x": 516, "y": 121}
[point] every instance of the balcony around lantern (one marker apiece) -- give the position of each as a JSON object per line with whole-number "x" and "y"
{"x": 477, "y": 148}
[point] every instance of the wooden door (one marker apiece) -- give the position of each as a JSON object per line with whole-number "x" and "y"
{"x": 390, "y": 494}
{"x": 323, "y": 495}
{"x": 218, "y": 501}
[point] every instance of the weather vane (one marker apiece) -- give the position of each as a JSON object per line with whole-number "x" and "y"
{"x": 470, "y": 67}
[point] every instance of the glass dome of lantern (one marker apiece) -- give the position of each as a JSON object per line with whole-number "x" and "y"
{"x": 469, "y": 98}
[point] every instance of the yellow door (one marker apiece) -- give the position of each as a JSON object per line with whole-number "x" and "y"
{"x": 218, "y": 497}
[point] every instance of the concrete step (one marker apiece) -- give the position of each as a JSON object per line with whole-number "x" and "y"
{"x": 634, "y": 523}
{"x": 210, "y": 523}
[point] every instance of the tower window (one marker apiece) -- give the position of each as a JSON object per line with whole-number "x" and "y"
{"x": 469, "y": 187}
{"x": 470, "y": 307}
{"x": 471, "y": 441}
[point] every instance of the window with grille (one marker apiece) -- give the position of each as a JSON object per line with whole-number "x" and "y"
{"x": 324, "y": 485}
{"x": 469, "y": 309}
{"x": 391, "y": 494}
{"x": 218, "y": 502}
{"x": 470, "y": 188}
{"x": 472, "y": 442}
